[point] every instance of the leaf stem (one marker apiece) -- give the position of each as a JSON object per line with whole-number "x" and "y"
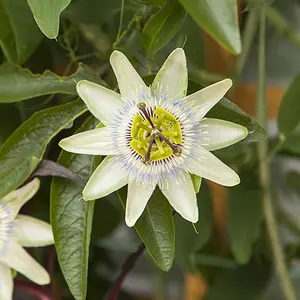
{"x": 286, "y": 285}
{"x": 120, "y": 37}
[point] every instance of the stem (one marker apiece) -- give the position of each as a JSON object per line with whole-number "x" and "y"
{"x": 247, "y": 40}
{"x": 286, "y": 285}
{"x": 135, "y": 20}
{"x": 126, "y": 268}
{"x": 37, "y": 291}
{"x": 121, "y": 19}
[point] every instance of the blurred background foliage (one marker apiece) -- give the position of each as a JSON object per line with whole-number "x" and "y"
{"x": 248, "y": 241}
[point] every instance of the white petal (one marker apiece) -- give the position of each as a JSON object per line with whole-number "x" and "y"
{"x": 137, "y": 198}
{"x": 208, "y": 97}
{"x": 216, "y": 134}
{"x": 18, "y": 259}
{"x": 96, "y": 142}
{"x": 16, "y": 199}
{"x": 101, "y": 102}
{"x": 181, "y": 195}
{"x": 210, "y": 167}
{"x": 6, "y": 283}
{"x": 172, "y": 80}
{"x": 129, "y": 81}
{"x": 31, "y": 232}
{"x": 107, "y": 178}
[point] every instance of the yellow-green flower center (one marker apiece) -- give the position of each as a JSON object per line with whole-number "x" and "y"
{"x": 157, "y": 136}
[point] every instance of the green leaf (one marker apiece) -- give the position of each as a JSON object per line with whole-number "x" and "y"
{"x": 219, "y": 19}
{"x": 245, "y": 214}
{"x": 226, "y": 110}
{"x": 71, "y": 219}
{"x": 47, "y": 13}
{"x": 9, "y": 120}
{"x": 163, "y": 26}
{"x": 247, "y": 282}
{"x": 188, "y": 242}
{"x": 156, "y": 228}
{"x": 19, "y": 35}
{"x": 24, "y": 149}
{"x": 97, "y": 11}
{"x": 17, "y": 84}
{"x": 152, "y": 2}
{"x": 289, "y": 112}
{"x": 292, "y": 143}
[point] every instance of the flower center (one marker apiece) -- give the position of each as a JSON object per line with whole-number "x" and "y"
{"x": 155, "y": 135}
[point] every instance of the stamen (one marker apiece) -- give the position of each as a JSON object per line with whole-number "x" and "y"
{"x": 146, "y": 159}
{"x": 142, "y": 107}
{"x": 176, "y": 149}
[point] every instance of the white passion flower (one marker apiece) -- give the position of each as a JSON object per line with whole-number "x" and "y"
{"x": 18, "y": 231}
{"x": 154, "y": 136}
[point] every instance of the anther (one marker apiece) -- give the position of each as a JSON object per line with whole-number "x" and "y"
{"x": 146, "y": 161}
{"x": 178, "y": 151}
{"x": 141, "y": 106}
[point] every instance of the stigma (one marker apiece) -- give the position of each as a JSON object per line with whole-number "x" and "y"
{"x": 155, "y": 134}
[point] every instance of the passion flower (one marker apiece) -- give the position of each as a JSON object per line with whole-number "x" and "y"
{"x": 154, "y": 136}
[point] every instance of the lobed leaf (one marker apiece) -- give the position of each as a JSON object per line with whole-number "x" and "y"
{"x": 17, "y": 84}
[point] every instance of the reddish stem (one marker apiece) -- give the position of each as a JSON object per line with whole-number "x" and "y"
{"x": 39, "y": 292}
{"x": 126, "y": 268}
